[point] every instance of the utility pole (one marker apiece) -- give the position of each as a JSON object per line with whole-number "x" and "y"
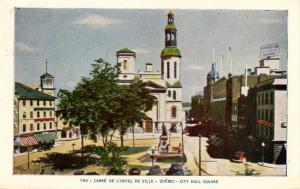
{"x": 199, "y": 155}
{"x": 230, "y": 56}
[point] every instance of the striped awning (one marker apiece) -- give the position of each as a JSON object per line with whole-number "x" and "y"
{"x": 27, "y": 141}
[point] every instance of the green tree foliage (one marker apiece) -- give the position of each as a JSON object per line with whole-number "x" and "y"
{"x": 100, "y": 106}
{"x": 91, "y": 105}
{"x": 134, "y": 102}
{"x": 111, "y": 159}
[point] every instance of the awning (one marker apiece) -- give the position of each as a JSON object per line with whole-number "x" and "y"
{"x": 46, "y": 137}
{"x": 26, "y": 141}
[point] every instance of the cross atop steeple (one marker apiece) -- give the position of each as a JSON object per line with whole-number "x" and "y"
{"x": 46, "y": 66}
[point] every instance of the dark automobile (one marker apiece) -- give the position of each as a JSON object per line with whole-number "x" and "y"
{"x": 134, "y": 171}
{"x": 176, "y": 169}
{"x": 155, "y": 170}
{"x": 239, "y": 157}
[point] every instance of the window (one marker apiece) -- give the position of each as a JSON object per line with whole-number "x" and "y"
{"x": 38, "y": 126}
{"x": 272, "y": 98}
{"x": 125, "y": 65}
{"x": 175, "y": 69}
{"x": 173, "y": 112}
{"x": 263, "y": 114}
{"x": 47, "y": 82}
{"x": 24, "y": 115}
{"x": 44, "y": 102}
{"x": 24, "y": 127}
{"x": 174, "y": 95}
{"x": 50, "y": 102}
{"x": 37, "y": 114}
{"x": 272, "y": 116}
{"x": 24, "y": 102}
{"x": 169, "y": 93}
{"x": 31, "y": 127}
{"x": 50, "y": 125}
{"x": 262, "y": 99}
{"x": 44, "y": 113}
{"x": 31, "y": 114}
{"x": 50, "y": 113}
{"x": 258, "y": 99}
{"x": 267, "y": 98}
{"x": 45, "y": 127}
{"x": 31, "y": 103}
{"x": 168, "y": 70}
{"x": 267, "y": 115}
{"x": 37, "y": 102}
{"x": 258, "y": 114}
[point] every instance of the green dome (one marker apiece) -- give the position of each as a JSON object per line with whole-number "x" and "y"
{"x": 125, "y": 50}
{"x": 170, "y": 51}
{"x": 170, "y": 26}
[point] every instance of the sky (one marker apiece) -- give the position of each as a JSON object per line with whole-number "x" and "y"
{"x": 71, "y": 39}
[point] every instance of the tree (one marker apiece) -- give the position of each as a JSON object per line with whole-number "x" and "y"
{"x": 100, "y": 106}
{"x": 135, "y": 100}
{"x": 111, "y": 159}
{"x": 93, "y": 101}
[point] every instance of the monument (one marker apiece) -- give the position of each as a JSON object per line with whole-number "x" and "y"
{"x": 163, "y": 146}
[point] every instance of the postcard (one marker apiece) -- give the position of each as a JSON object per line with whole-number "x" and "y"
{"x": 128, "y": 95}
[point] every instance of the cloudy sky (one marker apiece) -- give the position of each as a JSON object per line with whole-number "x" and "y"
{"x": 71, "y": 39}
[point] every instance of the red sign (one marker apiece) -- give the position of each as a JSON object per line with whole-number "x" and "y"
{"x": 43, "y": 119}
{"x": 264, "y": 123}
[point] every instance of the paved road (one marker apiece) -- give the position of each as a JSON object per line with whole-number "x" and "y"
{"x": 221, "y": 167}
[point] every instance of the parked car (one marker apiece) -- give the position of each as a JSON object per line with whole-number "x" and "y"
{"x": 239, "y": 157}
{"x": 155, "y": 170}
{"x": 179, "y": 170}
{"x": 134, "y": 171}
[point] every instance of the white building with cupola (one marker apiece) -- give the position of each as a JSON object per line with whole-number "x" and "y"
{"x": 165, "y": 85}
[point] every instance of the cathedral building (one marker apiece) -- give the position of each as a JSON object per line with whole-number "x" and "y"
{"x": 165, "y": 86}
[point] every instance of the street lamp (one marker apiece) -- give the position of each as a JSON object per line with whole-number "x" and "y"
{"x": 182, "y": 145}
{"x": 199, "y": 155}
{"x": 29, "y": 148}
{"x": 152, "y": 156}
{"x": 263, "y": 153}
{"x": 73, "y": 147}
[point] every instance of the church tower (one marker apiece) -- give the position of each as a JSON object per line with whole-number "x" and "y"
{"x": 126, "y": 60}
{"x": 170, "y": 55}
{"x": 170, "y": 73}
{"x": 47, "y": 82}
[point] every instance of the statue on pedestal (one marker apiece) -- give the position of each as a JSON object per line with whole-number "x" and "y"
{"x": 163, "y": 145}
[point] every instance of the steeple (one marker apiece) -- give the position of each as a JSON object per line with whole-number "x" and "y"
{"x": 170, "y": 31}
{"x": 47, "y": 82}
{"x": 170, "y": 49}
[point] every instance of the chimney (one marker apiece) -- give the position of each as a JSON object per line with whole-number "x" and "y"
{"x": 149, "y": 67}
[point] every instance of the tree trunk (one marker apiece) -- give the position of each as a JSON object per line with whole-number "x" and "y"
{"x": 103, "y": 141}
{"x": 82, "y": 145}
{"x": 122, "y": 139}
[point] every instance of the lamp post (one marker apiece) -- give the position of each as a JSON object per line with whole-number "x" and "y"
{"x": 199, "y": 155}
{"x": 73, "y": 145}
{"x": 28, "y": 152}
{"x": 182, "y": 145}
{"x": 152, "y": 156}
{"x": 263, "y": 153}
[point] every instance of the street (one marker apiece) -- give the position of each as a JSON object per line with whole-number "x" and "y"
{"x": 209, "y": 166}
{"x": 222, "y": 167}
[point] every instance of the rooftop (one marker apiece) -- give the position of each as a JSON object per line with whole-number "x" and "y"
{"x": 26, "y": 92}
{"x": 170, "y": 51}
{"x": 125, "y": 50}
